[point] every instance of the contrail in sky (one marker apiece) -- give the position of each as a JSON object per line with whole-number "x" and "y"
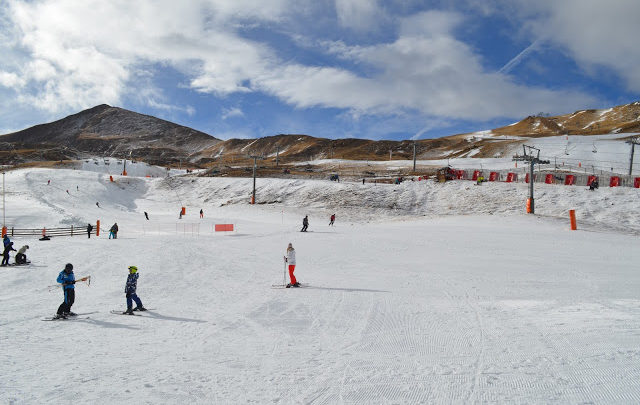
{"x": 518, "y": 58}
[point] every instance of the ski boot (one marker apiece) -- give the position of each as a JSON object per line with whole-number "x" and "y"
{"x": 289, "y": 285}
{"x": 139, "y": 309}
{"x": 70, "y": 314}
{"x": 60, "y": 316}
{"x": 296, "y": 284}
{"x": 129, "y": 311}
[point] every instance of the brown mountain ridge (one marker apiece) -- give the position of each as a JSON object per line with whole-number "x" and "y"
{"x": 111, "y": 131}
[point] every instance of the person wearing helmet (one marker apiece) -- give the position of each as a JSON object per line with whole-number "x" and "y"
{"x": 130, "y": 291}
{"x": 67, "y": 279}
{"x": 21, "y": 256}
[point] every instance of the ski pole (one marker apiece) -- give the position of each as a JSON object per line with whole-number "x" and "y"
{"x": 284, "y": 273}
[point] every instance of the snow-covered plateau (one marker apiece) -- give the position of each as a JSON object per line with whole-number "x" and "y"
{"x": 421, "y": 293}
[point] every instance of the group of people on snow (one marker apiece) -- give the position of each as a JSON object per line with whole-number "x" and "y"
{"x": 21, "y": 256}
{"x": 305, "y": 222}
{"x": 290, "y": 256}
{"x": 67, "y": 280}
{"x": 182, "y": 213}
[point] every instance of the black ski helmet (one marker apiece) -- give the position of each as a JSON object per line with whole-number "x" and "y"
{"x": 68, "y": 267}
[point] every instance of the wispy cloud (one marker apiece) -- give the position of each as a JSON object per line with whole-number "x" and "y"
{"x": 233, "y": 112}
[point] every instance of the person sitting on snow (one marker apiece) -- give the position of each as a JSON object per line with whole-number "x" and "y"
{"x": 21, "y": 256}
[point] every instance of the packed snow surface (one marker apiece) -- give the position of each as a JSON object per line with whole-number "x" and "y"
{"x": 421, "y": 293}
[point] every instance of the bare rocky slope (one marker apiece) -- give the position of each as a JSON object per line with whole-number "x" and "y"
{"x": 105, "y": 131}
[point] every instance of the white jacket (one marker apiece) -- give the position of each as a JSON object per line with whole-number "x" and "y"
{"x": 291, "y": 256}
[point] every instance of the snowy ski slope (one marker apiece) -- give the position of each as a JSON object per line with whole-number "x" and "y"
{"x": 421, "y": 293}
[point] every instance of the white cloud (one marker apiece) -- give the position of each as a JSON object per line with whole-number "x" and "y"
{"x": 10, "y": 80}
{"x": 90, "y": 52}
{"x": 595, "y": 33}
{"x": 427, "y": 70}
{"x": 232, "y": 113}
{"x": 79, "y": 54}
{"x": 359, "y": 15}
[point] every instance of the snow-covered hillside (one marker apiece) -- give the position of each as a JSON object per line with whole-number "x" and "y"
{"x": 421, "y": 293}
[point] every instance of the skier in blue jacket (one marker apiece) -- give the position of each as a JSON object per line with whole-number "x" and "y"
{"x": 67, "y": 279}
{"x": 130, "y": 291}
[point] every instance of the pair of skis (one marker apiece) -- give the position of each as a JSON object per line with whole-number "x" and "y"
{"x": 278, "y": 286}
{"x": 284, "y": 280}
{"x": 120, "y": 312}
{"x": 70, "y": 317}
{"x": 80, "y": 316}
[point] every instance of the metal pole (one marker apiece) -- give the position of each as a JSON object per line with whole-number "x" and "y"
{"x": 4, "y": 220}
{"x": 255, "y": 159}
{"x": 531, "y": 187}
{"x": 633, "y": 144}
{"x": 414, "y": 156}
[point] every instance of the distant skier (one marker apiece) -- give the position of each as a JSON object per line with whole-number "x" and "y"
{"x": 113, "y": 231}
{"x": 362, "y": 181}
{"x": 67, "y": 279}
{"x": 89, "y": 229}
{"x": 21, "y": 256}
{"x": 48, "y": 182}
{"x": 290, "y": 258}
{"x": 5, "y": 254}
{"x": 593, "y": 185}
{"x": 68, "y": 192}
{"x": 146, "y": 215}
{"x": 77, "y": 188}
{"x": 333, "y": 219}
{"x": 180, "y": 215}
{"x": 130, "y": 291}
{"x": 305, "y": 223}
{"x": 201, "y": 213}
{"x": 97, "y": 204}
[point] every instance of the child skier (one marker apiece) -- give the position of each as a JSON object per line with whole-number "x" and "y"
{"x": 332, "y": 219}
{"x": 67, "y": 279}
{"x": 291, "y": 259}
{"x": 130, "y": 291}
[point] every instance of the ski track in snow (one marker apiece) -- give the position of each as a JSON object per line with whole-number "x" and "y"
{"x": 421, "y": 293}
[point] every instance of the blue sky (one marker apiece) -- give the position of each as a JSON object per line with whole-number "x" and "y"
{"x": 397, "y": 69}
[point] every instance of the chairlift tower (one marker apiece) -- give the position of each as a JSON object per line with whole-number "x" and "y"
{"x": 635, "y": 141}
{"x": 255, "y": 164}
{"x": 531, "y": 155}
